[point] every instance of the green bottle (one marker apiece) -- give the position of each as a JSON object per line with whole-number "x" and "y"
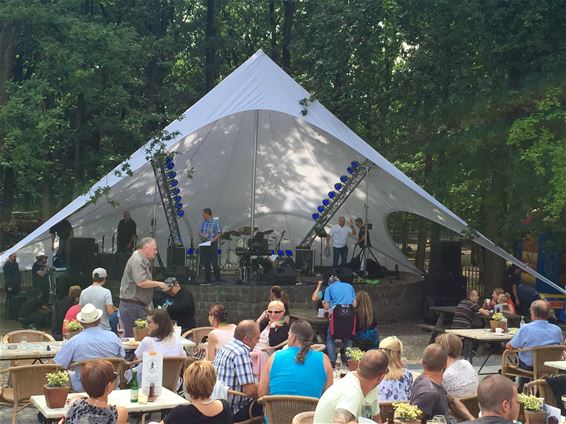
{"x": 134, "y": 389}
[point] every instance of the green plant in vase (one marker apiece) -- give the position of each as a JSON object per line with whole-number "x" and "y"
{"x": 354, "y": 355}
{"x": 406, "y": 413}
{"x": 140, "y": 329}
{"x": 57, "y": 389}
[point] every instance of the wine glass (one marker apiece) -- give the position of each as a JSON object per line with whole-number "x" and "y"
{"x": 120, "y": 329}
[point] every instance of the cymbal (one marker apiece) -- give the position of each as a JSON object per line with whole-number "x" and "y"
{"x": 267, "y": 232}
{"x": 235, "y": 233}
{"x": 226, "y": 235}
{"x": 245, "y": 231}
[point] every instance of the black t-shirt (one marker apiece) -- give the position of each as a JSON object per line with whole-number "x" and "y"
{"x": 40, "y": 284}
{"x": 182, "y": 309}
{"x": 361, "y": 234}
{"x": 189, "y": 414}
{"x": 126, "y": 229}
{"x": 63, "y": 229}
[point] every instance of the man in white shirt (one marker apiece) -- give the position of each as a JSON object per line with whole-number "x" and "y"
{"x": 99, "y": 296}
{"x": 338, "y": 236}
{"x": 354, "y": 395}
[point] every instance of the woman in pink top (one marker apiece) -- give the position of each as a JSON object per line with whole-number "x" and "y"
{"x": 223, "y": 331}
{"x": 71, "y": 315}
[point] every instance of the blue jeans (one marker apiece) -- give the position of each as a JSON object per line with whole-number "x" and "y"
{"x": 331, "y": 346}
{"x": 336, "y": 253}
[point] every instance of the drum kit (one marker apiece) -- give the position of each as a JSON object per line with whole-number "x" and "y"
{"x": 253, "y": 257}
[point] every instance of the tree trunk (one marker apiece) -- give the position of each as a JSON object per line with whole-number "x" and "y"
{"x": 421, "y": 245}
{"x": 288, "y": 14}
{"x": 210, "y": 46}
{"x": 273, "y": 30}
{"x": 78, "y": 171}
{"x": 46, "y": 199}
{"x": 8, "y": 194}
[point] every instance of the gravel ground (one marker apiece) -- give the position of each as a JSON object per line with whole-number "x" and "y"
{"x": 414, "y": 339}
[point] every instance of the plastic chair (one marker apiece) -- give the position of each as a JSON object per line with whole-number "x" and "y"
{"x": 27, "y": 381}
{"x": 281, "y": 409}
{"x": 304, "y": 418}
{"x": 541, "y": 354}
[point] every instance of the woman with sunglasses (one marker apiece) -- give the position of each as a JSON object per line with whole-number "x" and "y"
{"x": 98, "y": 379}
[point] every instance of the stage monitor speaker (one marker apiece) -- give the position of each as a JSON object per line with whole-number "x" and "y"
{"x": 81, "y": 257}
{"x": 112, "y": 264}
{"x": 344, "y": 274}
{"x": 280, "y": 276}
{"x": 176, "y": 256}
{"x": 445, "y": 258}
{"x": 305, "y": 260}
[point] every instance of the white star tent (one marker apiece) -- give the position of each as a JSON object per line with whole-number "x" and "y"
{"x": 298, "y": 161}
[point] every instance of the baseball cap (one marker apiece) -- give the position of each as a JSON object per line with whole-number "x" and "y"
{"x": 99, "y": 273}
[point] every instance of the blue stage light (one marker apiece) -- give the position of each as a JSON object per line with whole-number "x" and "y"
{"x": 321, "y": 209}
{"x": 280, "y": 253}
{"x": 171, "y": 175}
{"x": 273, "y": 252}
{"x": 289, "y": 252}
{"x": 338, "y": 186}
{"x": 350, "y": 170}
{"x": 179, "y": 206}
{"x": 175, "y": 191}
{"x": 177, "y": 198}
{"x": 219, "y": 251}
{"x": 326, "y": 202}
{"x": 170, "y": 165}
{"x": 344, "y": 179}
{"x": 173, "y": 183}
{"x": 315, "y": 216}
{"x": 355, "y": 164}
{"x": 331, "y": 194}
{"x": 180, "y": 213}
{"x": 190, "y": 251}
{"x": 169, "y": 159}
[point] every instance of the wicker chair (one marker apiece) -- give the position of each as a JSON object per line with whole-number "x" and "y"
{"x": 29, "y": 335}
{"x": 172, "y": 369}
{"x": 27, "y": 381}
{"x": 540, "y": 388}
{"x": 272, "y": 349}
{"x": 120, "y": 366}
{"x": 281, "y": 409}
{"x": 318, "y": 347}
{"x": 304, "y": 418}
{"x": 541, "y": 354}
{"x": 471, "y": 404}
{"x": 254, "y": 420}
{"x": 197, "y": 334}
{"x": 387, "y": 411}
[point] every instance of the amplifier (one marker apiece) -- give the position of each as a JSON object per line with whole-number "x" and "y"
{"x": 305, "y": 260}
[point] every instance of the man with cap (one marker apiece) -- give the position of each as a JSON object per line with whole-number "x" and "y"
{"x": 91, "y": 343}
{"x": 180, "y": 304}
{"x": 99, "y": 296}
{"x": 136, "y": 288}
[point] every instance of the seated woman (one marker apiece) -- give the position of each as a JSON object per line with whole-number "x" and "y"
{"x": 505, "y": 300}
{"x": 98, "y": 379}
{"x": 297, "y": 370}
{"x": 61, "y": 309}
{"x": 274, "y": 330}
{"x": 223, "y": 331}
{"x": 200, "y": 378}
{"x": 160, "y": 338}
{"x": 397, "y": 383}
{"x": 460, "y": 378}
{"x": 366, "y": 336}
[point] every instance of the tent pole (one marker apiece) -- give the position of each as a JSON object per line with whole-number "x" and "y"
{"x": 254, "y": 161}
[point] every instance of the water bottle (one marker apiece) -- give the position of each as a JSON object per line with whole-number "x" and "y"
{"x": 522, "y": 321}
{"x": 338, "y": 364}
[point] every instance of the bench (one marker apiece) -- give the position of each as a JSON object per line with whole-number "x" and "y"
{"x": 431, "y": 329}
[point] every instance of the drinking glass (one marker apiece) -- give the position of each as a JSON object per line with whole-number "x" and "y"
{"x": 440, "y": 419}
{"x": 120, "y": 329}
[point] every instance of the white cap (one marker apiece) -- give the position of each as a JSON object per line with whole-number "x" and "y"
{"x": 99, "y": 273}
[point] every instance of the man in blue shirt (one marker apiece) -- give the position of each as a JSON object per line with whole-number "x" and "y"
{"x": 91, "y": 343}
{"x": 338, "y": 293}
{"x": 210, "y": 231}
{"x": 539, "y": 332}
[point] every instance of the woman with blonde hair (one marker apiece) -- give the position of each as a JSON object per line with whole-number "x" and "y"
{"x": 397, "y": 383}
{"x": 366, "y": 336}
{"x": 200, "y": 378}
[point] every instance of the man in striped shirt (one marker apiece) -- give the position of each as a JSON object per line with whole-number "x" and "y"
{"x": 233, "y": 366}
{"x": 466, "y": 310}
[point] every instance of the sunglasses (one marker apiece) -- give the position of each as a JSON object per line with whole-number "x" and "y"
{"x": 274, "y": 312}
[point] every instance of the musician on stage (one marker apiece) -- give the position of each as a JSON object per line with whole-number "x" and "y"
{"x": 64, "y": 230}
{"x": 338, "y": 236}
{"x": 126, "y": 234}
{"x": 210, "y": 230}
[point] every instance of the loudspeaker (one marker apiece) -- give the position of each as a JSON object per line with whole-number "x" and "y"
{"x": 82, "y": 259}
{"x": 175, "y": 256}
{"x": 112, "y": 264}
{"x": 445, "y": 258}
{"x": 374, "y": 269}
{"x": 305, "y": 260}
{"x": 345, "y": 274}
{"x": 281, "y": 276}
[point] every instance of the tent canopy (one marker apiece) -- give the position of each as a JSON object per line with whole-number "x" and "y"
{"x": 299, "y": 159}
